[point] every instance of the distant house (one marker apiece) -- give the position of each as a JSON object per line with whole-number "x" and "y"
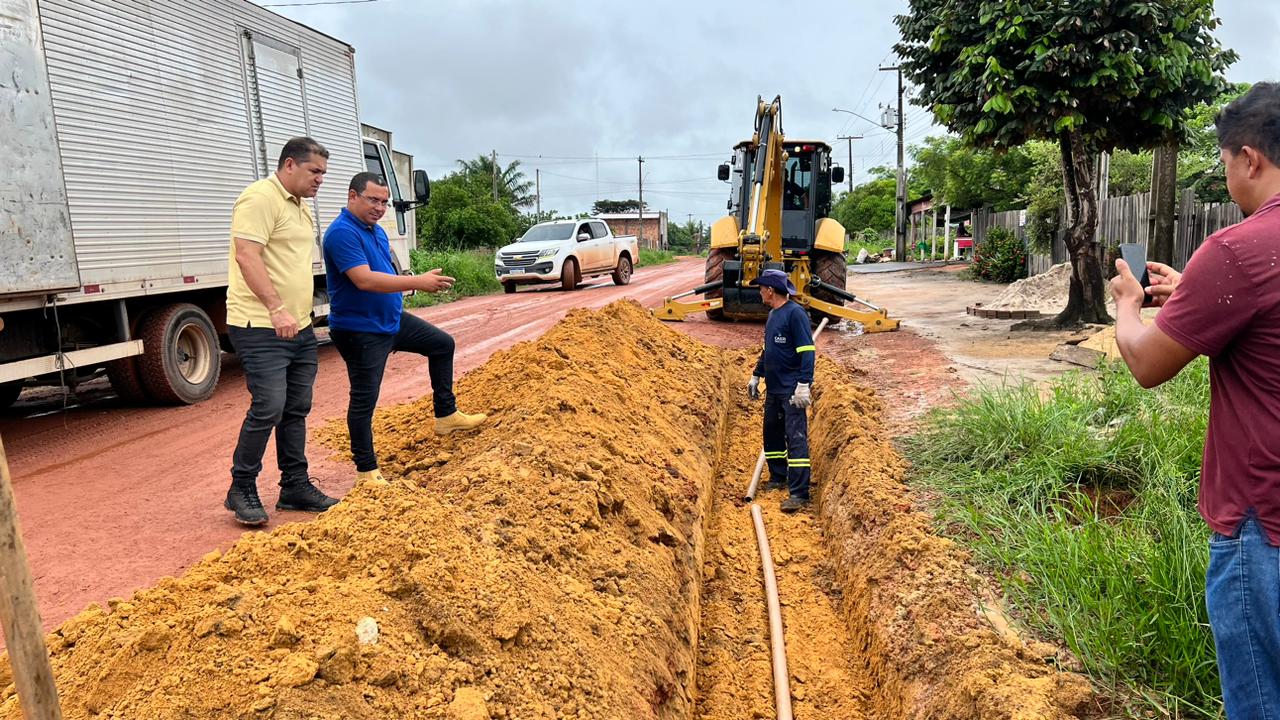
{"x": 653, "y": 235}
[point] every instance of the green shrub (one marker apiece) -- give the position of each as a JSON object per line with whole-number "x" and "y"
{"x": 1082, "y": 500}
{"x": 655, "y": 257}
{"x": 1000, "y": 257}
{"x": 472, "y": 270}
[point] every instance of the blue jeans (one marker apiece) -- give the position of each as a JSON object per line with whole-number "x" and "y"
{"x": 786, "y": 444}
{"x": 280, "y": 374}
{"x": 1242, "y": 592}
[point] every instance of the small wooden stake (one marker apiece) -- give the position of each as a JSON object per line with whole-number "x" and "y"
{"x": 20, "y": 615}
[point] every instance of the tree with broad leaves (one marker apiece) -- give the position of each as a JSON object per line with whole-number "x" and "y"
{"x": 1091, "y": 75}
{"x": 609, "y": 207}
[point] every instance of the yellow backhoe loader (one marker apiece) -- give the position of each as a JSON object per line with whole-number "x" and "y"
{"x": 778, "y": 207}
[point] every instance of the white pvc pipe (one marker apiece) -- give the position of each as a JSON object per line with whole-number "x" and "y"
{"x": 777, "y": 642}
{"x": 755, "y": 479}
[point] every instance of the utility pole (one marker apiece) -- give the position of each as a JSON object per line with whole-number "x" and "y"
{"x": 900, "y": 214}
{"x": 850, "y": 139}
{"x": 640, "y": 209}
{"x": 537, "y": 179}
{"x": 493, "y": 160}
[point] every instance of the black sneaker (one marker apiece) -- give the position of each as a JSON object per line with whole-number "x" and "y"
{"x": 244, "y": 502}
{"x": 302, "y": 495}
{"x": 793, "y": 504}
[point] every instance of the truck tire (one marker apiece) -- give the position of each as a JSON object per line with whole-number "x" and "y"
{"x": 182, "y": 360}
{"x": 622, "y": 273}
{"x": 126, "y": 380}
{"x": 9, "y": 393}
{"x": 569, "y": 274}
{"x": 508, "y": 287}
{"x": 714, "y": 272}
{"x": 831, "y": 269}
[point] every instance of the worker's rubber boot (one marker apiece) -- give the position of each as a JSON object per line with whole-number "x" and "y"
{"x": 792, "y": 504}
{"x": 302, "y": 495}
{"x": 775, "y": 485}
{"x": 244, "y": 502}
{"x": 371, "y": 477}
{"x": 459, "y": 421}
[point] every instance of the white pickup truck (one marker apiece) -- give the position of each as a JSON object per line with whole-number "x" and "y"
{"x": 566, "y": 251}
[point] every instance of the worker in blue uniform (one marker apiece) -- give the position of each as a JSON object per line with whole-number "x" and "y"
{"x": 786, "y": 368}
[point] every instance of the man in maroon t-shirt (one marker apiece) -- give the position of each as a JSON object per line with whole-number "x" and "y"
{"x": 1226, "y": 305}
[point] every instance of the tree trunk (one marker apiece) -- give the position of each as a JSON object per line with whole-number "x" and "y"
{"x": 1164, "y": 194}
{"x": 1087, "y": 301}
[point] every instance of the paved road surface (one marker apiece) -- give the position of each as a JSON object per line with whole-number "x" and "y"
{"x": 113, "y": 498}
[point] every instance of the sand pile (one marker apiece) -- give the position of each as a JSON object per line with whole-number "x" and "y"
{"x": 545, "y": 567}
{"x": 1046, "y": 292}
{"x": 552, "y": 565}
{"x": 911, "y": 599}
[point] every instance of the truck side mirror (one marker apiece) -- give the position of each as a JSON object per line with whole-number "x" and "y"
{"x": 583, "y": 237}
{"x": 837, "y": 174}
{"x": 723, "y": 172}
{"x": 421, "y": 186}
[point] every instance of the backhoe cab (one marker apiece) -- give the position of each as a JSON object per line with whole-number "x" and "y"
{"x": 778, "y": 218}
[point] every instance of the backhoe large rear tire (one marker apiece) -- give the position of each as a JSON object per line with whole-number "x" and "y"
{"x": 832, "y": 269}
{"x": 714, "y": 272}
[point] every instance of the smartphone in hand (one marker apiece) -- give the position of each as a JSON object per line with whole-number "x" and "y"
{"x": 1135, "y": 256}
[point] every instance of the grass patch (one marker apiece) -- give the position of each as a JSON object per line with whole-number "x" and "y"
{"x": 872, "y": 248}
{"x": 1082, "y": 500}
{"x": 655, "y": 257}
{"x": 473, "y": 270}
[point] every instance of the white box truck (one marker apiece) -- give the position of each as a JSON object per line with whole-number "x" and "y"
{"x": 134, "y": 127}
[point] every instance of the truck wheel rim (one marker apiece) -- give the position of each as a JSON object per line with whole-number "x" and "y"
{"x": 192, "y": 353}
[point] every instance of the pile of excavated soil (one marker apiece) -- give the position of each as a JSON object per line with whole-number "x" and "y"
{"x": 547, "y": 566}
{"x": 1046, "y": 292}
{"x": 912, "y": 602}
{"x": 553, "y": 565}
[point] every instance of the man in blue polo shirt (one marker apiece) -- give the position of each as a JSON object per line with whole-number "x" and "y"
{"x": 367, "y": 320}
{"x": 786, "y": 366}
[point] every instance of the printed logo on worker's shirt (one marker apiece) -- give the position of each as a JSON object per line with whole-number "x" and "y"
{"x": 780, "y": 339}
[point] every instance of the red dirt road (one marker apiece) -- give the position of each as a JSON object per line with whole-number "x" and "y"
{"x": 112, "y": 499}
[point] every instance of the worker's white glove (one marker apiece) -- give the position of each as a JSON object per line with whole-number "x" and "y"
{"x": 753, "y": 387}
{"x": 800, "y": 398}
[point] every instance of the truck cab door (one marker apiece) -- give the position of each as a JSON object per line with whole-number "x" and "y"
{"x": 605, "y": 245}
{"x": 377, "y": 160}
{"x": 587, "y": 249}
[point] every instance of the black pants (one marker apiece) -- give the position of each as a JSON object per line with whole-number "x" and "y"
{"x": 786, "y": 444}
{"x": 366, "y": 358}
{"x": 280, "y": 374}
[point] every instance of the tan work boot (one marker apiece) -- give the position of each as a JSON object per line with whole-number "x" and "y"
{"x": 459, "y": 421}
{"x": 371, "y": 477}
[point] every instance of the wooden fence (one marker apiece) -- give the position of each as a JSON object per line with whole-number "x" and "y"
{"x": 1120, "y": 220}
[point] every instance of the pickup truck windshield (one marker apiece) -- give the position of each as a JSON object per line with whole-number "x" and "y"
{"x": 556, "y": 231}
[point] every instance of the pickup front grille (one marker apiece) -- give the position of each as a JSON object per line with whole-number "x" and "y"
{"x": 514, "y": 259}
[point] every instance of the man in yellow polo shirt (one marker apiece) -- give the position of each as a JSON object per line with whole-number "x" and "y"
{"x": 273, "y": 236}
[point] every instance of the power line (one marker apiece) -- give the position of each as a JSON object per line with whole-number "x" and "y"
{"x": 317, "y": 2}
{"x": 582, "y": 158}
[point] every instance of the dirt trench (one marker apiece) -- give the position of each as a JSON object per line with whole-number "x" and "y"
{"x": 583, "y": 556}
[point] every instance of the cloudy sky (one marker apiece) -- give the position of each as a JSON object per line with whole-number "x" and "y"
{"x": 558, "y": 83}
